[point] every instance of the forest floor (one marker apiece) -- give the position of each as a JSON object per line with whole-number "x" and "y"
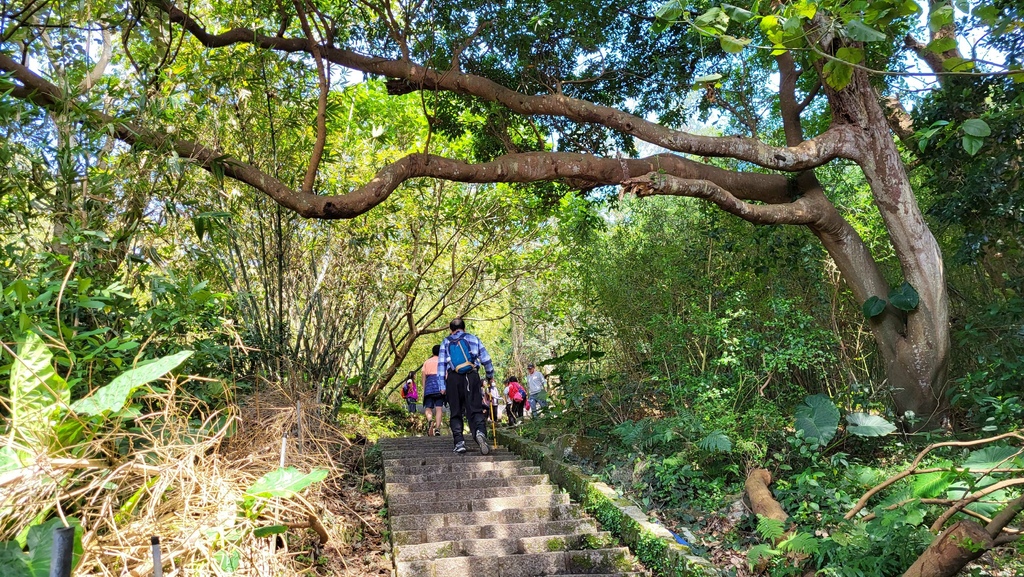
{"x": 349, "y": 503}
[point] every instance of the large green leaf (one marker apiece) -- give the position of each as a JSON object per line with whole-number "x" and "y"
{"x": 991, "y": 457}
{"x": 733, "y": 45}
{"x": 838, "y": 74}
{"x": 13, "y": 561}
{"x": 284, "y": 482}
{"x": 939, "y": 17}
{"x": 931, "y": 485}
{"x": 972, "y": 144}
{"x": 858, "y": 30}
{"x": 736, "y": 13}
{"x": 976, "y": 127}
{"x": 113, "y": 396}
{"x": 904, "y": 297}
{"x": 867, "y": 425}
{"x": 873, "y": 307}
{"x": 817, "y": 418}
{"x": 38, "y": 394}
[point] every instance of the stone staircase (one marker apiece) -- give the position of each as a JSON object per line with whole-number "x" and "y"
{"x": 487, "y": 516}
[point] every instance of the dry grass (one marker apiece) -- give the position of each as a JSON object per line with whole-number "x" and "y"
{"x": 181, "y": 475}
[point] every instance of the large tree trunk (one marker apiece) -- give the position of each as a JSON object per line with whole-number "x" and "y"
{"x": 914, "y": 345}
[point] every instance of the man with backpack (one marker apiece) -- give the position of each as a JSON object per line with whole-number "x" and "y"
{"x": 459, "y": 360}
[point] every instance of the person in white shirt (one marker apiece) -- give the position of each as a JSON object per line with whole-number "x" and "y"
{"x": 535, "y": 382}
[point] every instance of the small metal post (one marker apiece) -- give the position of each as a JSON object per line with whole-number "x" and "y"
{"x": 158, "y": 565}
{"x": 62, "y": 552}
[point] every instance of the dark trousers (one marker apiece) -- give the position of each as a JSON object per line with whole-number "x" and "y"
{"x": 515, "y": 412}
{"x": 466, "y": 401}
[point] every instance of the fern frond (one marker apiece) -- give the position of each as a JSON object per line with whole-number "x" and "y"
{"x": 803, "y": 543}
{"x": 758, "y": 552}
{"x": 769, "y": 529}
{"x": 715, "y": 441}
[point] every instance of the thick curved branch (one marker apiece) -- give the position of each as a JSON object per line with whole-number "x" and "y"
{"x": 796, "y": 212}
{"x": 839, "y": 141}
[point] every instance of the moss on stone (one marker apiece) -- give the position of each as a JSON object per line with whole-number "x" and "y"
{"x": 659, "y": 553}
{"x": 581, "y": 562}
{"x": 446, "y": 550}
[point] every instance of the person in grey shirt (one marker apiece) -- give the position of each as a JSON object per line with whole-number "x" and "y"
{"x": 535, "y": 386}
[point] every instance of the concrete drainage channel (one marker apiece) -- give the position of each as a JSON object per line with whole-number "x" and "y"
{"x": 496, "y": 515}
{"x": 499, "y": 515}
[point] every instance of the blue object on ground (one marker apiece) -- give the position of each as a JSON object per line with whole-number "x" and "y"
{"x": 680, "y": 540}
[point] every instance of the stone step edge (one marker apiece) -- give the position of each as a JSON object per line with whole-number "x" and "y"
{"x": 505, "y": 546}
{"x": 609, "y": 560}
{"x": 532, "y": 528}
{"x": 456, "y": 494}
{"x": 397, "y": 465}
{"x": 653, "y": 544}
{"x": 481, "y": 483}
{"x": 489, "y": 474}
{"x": 479, "y": 505}
{"x": 431, "y": 520}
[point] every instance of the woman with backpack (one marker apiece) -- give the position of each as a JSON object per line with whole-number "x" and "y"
{"x": 409, "y": 392}
{"x": 515, "y": 395}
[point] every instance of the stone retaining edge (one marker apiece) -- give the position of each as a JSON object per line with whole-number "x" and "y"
{"x": 652, "y": 543}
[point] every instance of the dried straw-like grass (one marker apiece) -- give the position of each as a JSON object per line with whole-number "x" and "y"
{"x": 181, "y": 474}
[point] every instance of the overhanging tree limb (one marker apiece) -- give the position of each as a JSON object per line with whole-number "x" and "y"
{"x": 523, "y": 167}
{"x": 839, "y": 141}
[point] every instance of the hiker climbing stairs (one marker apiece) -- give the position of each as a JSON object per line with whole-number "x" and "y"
{"x": 491, "y": 515}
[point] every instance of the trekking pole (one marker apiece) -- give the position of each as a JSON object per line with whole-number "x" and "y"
{"x": 494, "y": 428}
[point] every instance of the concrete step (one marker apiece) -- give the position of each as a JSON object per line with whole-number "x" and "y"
{"x": 520, "y": 515}
{"x": 467, "y": 494}
{"x": 449, "y": 457}
{"x": 463, "y": 466}
{"x": 507, "y": 530}
{"x": 503, "y": 546}
{"x": 598, "y": 561}
{"x": 493, "y": 515}
{"x": 453, "y": 481}
{"x": 465, "y": 505}
{"x": 448, "y": 447}
{"x": 437, "y": 456}
{"x": 494, "y": 473}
